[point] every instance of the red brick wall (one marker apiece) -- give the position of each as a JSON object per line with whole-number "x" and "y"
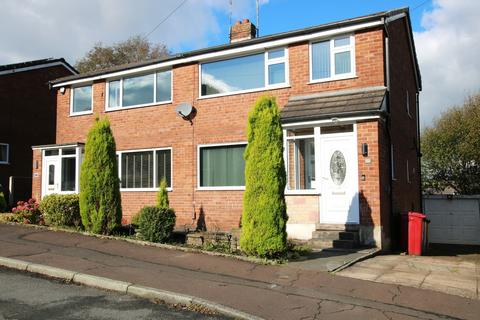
{"x": 221, "y": 119}
{"x": 403, "y": 128}
{"x": 27, "y": 117}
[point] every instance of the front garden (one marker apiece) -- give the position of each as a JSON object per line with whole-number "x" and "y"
{"x": 97, "y": 209}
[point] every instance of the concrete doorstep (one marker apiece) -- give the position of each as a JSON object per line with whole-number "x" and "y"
{"x": 123, "y": 287}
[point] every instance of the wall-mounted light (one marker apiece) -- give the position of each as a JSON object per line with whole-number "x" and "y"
{"x": 36, "y": 164}
{"x": 62, "y": 90}
{"x": 365, "y": 149}
{"x": 334, "y": 120}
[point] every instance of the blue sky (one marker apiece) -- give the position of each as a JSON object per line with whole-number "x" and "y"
{"x": 285, "y": 15}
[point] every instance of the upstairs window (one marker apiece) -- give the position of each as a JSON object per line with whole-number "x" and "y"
{"x": 81, "y": 100}
{"x": 256, "y": 71}
{"x": 4, "y": 149}
{"x": 332, "y": 59}
{"x": 140, "y": 90}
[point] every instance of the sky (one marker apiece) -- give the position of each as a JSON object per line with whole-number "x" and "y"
{"x": 446, "y": 32}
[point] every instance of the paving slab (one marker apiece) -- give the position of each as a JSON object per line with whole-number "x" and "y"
{"x": 450, "y": 274}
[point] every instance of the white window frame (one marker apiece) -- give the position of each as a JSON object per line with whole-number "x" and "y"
{"x": 267, "y": 62}
{"x": 78, "y": 163}
{"x": 8, "y": 153}
{"x": 155, "y": 178}
{"x": 154, "y": 103}
{"x": 226, "y": 144}
{"x": 81, "y": 113}
{"x": 287, "y": 139}
{"x": 333, "y": 51}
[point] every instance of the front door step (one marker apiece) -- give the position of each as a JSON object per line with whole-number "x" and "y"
{"x": 332, "y": 236}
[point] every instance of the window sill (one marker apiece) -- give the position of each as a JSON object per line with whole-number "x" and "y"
{"x": 303, "y": 193}
{"x": 78, "y": 114}
{"x": 220, "y": 189}
{"x": 5, "y": 163}
{"x": 281, "y": 86}
{"x": 139, "y": 106}
{"x": 143, "y": 189}
{"x": 348, "y": 77}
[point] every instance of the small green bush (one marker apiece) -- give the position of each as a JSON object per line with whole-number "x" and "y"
{"x": 61, "y": 210}
{"x": 156, "y": 224}
{"x": 3, "y": 203}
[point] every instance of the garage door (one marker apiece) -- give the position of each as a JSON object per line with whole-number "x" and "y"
{"x": 455, "y": 221}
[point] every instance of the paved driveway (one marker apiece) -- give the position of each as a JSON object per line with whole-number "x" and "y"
{"x": 443, "y": 270}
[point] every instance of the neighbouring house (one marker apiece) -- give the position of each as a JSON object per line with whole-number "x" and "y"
{"x": 27, "y": 117}
{"x": 348, "y": 93}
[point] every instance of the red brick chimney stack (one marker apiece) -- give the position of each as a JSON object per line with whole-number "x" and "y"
{"x": 242, "y": 30}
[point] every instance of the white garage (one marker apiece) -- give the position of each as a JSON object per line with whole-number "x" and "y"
{"x": 454, "y": 220}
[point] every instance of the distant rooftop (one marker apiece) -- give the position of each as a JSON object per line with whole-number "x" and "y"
{"x": 41, "y": 63}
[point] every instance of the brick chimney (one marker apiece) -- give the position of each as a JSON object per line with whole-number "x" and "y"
{"x": 242, "y": 30}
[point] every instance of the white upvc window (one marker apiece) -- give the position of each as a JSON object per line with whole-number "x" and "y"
{"x": 332, "y": 59}
{"x": 81, "y": 100}
{"x": 4, "y": 153}
{"x": 139, "y": 90}
{"x": 142, "y": 170}
{"x": 247, "y": 73}
{"x": 221, "y": 166}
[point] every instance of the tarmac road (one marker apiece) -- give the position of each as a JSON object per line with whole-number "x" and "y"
{"x": 24, "y": 296}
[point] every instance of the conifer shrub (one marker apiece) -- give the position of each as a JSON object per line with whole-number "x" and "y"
{"x": 61, "y": 210}
{"x": 156, "y": 223}
{"x": 264, "y": 211}
{"x": 100, "y": 203}
{"x": 162, "y": 195}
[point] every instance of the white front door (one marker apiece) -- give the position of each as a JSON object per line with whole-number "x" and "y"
{"x": 339, "y": 178}
{"x": 51, "y": 175}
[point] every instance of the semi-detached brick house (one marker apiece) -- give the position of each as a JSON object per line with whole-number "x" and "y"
{"x": 348, "y": 93}
{"x": 27, "y": 117}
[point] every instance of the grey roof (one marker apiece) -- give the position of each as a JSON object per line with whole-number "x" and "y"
{"x": 304, "y": 31}
{"x": 355, "y": 102}
{"x": 34, "y": 63}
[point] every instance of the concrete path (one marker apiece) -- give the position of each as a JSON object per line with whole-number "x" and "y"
{"x": 271, "y": 292}
{"x": 25, "y": 297}
{"x": 458, "y": 275}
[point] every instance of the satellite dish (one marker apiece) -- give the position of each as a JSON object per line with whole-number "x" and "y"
{"x": 184, "y": 109}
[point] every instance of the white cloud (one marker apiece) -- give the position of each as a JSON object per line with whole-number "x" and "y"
{"x": 448, "y": 52}
{"x": 35, "y": 29}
